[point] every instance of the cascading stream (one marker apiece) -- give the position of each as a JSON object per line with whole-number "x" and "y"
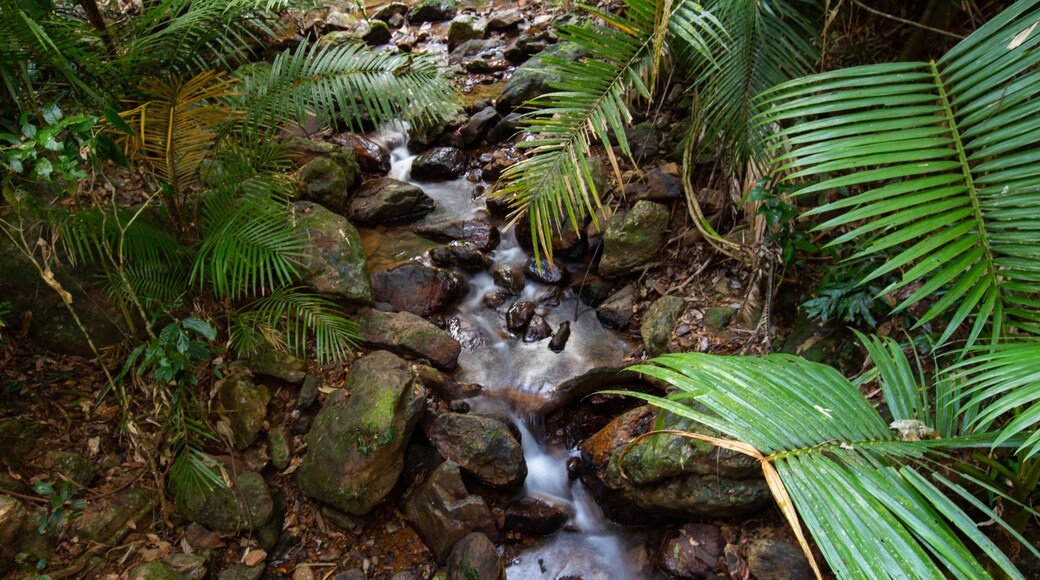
{"x": 510, "y": 369}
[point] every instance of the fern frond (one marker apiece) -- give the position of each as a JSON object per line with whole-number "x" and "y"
{"x": 128, "y": 235}
{"x": 553, "y": 185}
{"x": 290, "y": 317}
{"x": 942, "y": 161}
{"x": 351, "y": 80}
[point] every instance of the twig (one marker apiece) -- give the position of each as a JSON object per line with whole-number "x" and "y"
{"x": 905, "y": 21}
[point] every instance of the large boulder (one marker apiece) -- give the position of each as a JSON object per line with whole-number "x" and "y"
{"x": 439, "y": 163}
{"x": 466, "y": 27}
{"x": 245, "y": 504}
{"x": 356, "y": 445}
{"x": 658, "y": 323}
{"x": 419, "y": 289}
{"x": 327, "y": 172}
{"x": 444, "y": 512}
{"x": 335, "y": 262}
{"x": 666, "y": 476}
{"x": 475, "y": 556}
{"x": 633, "y": 239}
{"x": 530, "y": 80}
{"x": 107, "y": 520}
{"x": 245, "y": 402}
{"x": 389, "y": 201}
{"x": 408, "y": 335}
{"x": 478, "y": 126}
{"x": 432, "y": 11}
{"x": 482, "y": 447}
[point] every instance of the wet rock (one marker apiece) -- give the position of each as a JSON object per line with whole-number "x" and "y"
{"x": 478, "y": 126}
{"x": 419, "y": 289}
{"x": 719, "y": 317}
{"x": 277, "y": 363}
{"x": 326, "y": 181}
{"x": 105, "y": 520}
{"x": 559, "y": 340}
{"x": 666, "y": 476}
{"x": 529, "y": 81}
{"x": 472, "y": 49}
{"x": 632, "y": 240}
{"x": 444, "y": 512}
{"x": 245, "y": 505}
{"x": 371, "y": 156}
{"x": 775, "y": 560}
{"x": 567, "y": 242}
{"x": 154, "y": 570}
{"x": 76, "y": 467}
{"x": 439, "y": 163}
{"x": 372, "y": 32}
{"x": 616, "y": 311}
{"x": 468, "y": 335}
{"x": 390, "y": 10}
{"x": 538, "y": 329}
{"x": 484, "y": 236}
{"x": 531, "y": 515}
{"x": 500, "y": 160}
{"x": 692, "y": 551}
{"x": 596, "y": 379}
{"x": 335, "y": 263}
{"x": 461, "y": 255}
{"x": 389, "y": 201}
{"x": 356, "y": 446}
{"x": 546, "y": 272}
{"x": 551, "y": 296}
{"x": 519, "y": 315}
{"x": 466, "y": 27}
{"x": 241, "y": 572}
{"x": 481, "y": 446}
{"x": 445, "y": 386}
{"x": 505, "y": 19}
{"x": 408, "y": 335}
{"x": 508, "y": 278}
{"x": 278, "y": 446}
{"x": 474, "y": 556}
{"x": 495, "y": 297}
{"x": 308, "y": 392}
{"x": 432, "y": 11}
{"x": 506, "y": 129}
{"x": 658, "y": 323}
{"x": 246, "y": 405}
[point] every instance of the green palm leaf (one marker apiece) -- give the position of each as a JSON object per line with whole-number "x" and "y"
{"x": 943, "y": 164}
{"x": 351, "y": 80}
{"x": 553, "y": 185}
{"x": 870, "y": 499}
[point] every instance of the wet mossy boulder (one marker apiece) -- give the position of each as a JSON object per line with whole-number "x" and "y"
{"x": 244, "y": 505}
{"x": 408, "y": 335}
{"x": 107, "y": 520}
{"x": 474, "y": 556}
{"x": 530, "y": 80}
{"x": 356, "y": 446}
{"x": 483, "y": 447}
{"x": 658, "y": 323}
{"x": 389, "y": 201}
{"x": 444, "y": 511}
{"x": 432, "y": 11}
{"x": 336, "y": 262}
{"x": 245, "y": 403}
{"x": 327, "y": 172}
{"x": 633, "y": 239}
{"x": 466, "y": 27}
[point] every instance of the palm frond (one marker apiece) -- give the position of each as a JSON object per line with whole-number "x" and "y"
{"x": 352, "y": 79}
{"x": 288, "y": 318}
{"x": 942, "y": 161}
{"x": 127, "y": 234}
{"x": 248, "y": 246}
{"x": 870, "y": 499}
{"x": 770, "y": 42}
{"x": 591, "y": 102}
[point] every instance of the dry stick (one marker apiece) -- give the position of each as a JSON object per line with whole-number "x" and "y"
{"x": 906, "y": 21}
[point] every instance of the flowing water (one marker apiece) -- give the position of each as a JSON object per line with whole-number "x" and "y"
{"x": 589, "y": 546}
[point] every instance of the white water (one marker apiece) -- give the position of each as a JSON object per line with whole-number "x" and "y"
{"x": 588, "y": 547}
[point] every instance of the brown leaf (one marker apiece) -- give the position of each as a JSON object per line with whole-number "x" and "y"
{"x": 254, "y": 557}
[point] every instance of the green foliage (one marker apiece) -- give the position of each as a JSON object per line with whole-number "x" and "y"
{"x": 941, "y": 161}
{"x": 172, "y": 354}
{"x": 841, "y": 295}
{"x": 61, "y": 506}
{"x": 55, "y": 153}
{"x": 780, "y": 218}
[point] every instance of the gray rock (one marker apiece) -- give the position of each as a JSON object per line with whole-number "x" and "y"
{"x": 105, "y": 519}
{"x": 662, "y": 187}
{"x": 460, "y": 255}
{"x": 484, "y": 236}
{"x": 478, "y": 126}
{"x": 373, "y": 32}
{"x": 481, "y": 446}
{"x": 719, "y": 317}
{"x": 505, "y": 129}
{"x": 191, "y": 566}
{"x": 560, "y": 337}
{"x": 245, "y": 403}
{"x": 445, "y": 386}
{"x": 775, "y": 560}
{"x": 335, "y": 263}
{"x": 644, "y": 139}
{"x": 466, "y": 27}
{"x": 632, "y": 240}
{"x": 419, "y": 289}
{"x": 616, "y": 311}
{"x": 308, "y": 392}
{"x": 444, "y": 512}
{"x": 439, "y": 163}
{"x": 658, "y": 323}
{"x": 278, "y": 446}
{"x": 529, "y": 81}
{"x": 567, "y": 242}
{"x": 505, "y": 19}
{"x": 432, "y": 11}
{"x": 474, "y": 556}
{"x": 389, "y": 201}
{"x": 408, "y": 335}
{"x": 692, "y": 551}
{"x": 386, "y": 11}
{"x": 245, "y": 505}
{"x": 277, "y": 363}
{"x": 356, "y": 446}
{"x": 324, "y": 181}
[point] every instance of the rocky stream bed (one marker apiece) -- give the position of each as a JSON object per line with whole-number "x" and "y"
{"x": 465, "y": 440}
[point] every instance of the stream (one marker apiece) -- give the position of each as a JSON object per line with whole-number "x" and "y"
{"x": 590, "y": 546}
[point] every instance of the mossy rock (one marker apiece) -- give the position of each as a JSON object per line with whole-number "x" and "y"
{"x": 246, "y": 505}
{"x": 658, "y": 323}
{"x": 246, "y": 404}
{"x": 633, "y": 239}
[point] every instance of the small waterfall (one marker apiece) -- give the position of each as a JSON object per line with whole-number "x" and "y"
{"x": 589, "y": 546}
